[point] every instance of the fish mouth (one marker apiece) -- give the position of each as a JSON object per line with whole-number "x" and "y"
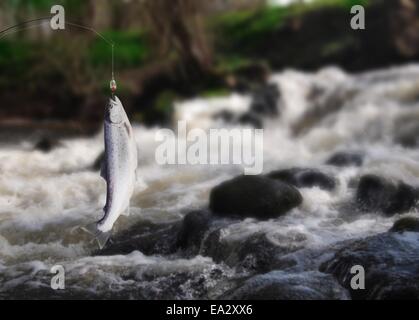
{"x": 112, "y": 112}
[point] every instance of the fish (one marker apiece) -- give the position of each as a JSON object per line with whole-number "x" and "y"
{"x": 119, "y": 169}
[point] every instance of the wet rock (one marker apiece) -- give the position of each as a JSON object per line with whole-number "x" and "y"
{"x": 133, "y": 276}
{"x": 248, "y": 118}
{"x": 375, "y": 193}
{"x": 254, "y": 196}
{"x": 265, "y": 100}
{"x": 252, "y": 119}
{"x": 149, "y": 238}
{"x": 225, "y": 116}
{"x": 407, "y": 134}
{"x": 304, "y": 178}
{"x": 346, "y": 159}
{"x": 279, "y": 285}
{"x": 410, "y": 224}
{"x": 184, "y": 237}
{"x": 47, "y": 144}
{"x": 203, "y": 233}
{"x": 194, "y": 228}
{"x": 244, "y": 79}
{"x": 255, "y": 253}
{"x": 390, "y": 261}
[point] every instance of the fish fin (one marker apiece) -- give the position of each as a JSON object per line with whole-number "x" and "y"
{"x": 101, "y": 237}
{"x": 103, "y": 170}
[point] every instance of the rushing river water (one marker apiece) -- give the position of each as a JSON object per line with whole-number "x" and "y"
{"x": 44, "y": 197}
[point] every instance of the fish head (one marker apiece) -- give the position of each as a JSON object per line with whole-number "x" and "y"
{"x": 114, "y": 111}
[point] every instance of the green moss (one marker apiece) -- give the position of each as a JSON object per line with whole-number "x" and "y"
{"x": 164, "y": 101}
{"x": 337, "y": 46}
{"x": 243, "y": 28}
{"x": 131, "y": 49}
{"x": 215, "y": 92}
{"x": 230, "y": 63}
{"x": 318, "y": 4}
{"x": 406, "y": 224}
{"x": 15, "y": 57}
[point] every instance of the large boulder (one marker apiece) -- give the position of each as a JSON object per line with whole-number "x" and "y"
{"x": 390, "y": 261}
{"x": 254, "y": 196}
{"x": 375, "y": 193}
{"x": 304, "y": 178}
{"x": 279, "y": 285}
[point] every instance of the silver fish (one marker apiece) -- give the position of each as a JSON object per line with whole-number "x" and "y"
{"x": 118, "y": 169}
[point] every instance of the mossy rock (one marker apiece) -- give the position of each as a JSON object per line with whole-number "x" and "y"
{"x": 406, "y": 224}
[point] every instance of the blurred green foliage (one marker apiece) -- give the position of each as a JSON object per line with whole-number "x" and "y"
{"x": 235, "y": 33}
{"x": 131, "y": 49}
{"x": 243, "y": 28}
{"x": 73, "y": 6}
{"x": 15, "y": 56}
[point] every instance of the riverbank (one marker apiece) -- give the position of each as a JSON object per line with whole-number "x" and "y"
{"x": 247, "y": 45}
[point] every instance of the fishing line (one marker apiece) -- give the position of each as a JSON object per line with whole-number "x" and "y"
{"x": 40, "y": 21}
{"x": 13, "y": 31}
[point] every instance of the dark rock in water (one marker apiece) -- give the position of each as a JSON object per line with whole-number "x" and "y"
{"x": 248, "y": 118}
{"x": 346, "y": 159}
{"x": 254, "y": 196}
{"x": 407, "y": 134}
{"x": 252, "y": 119}
{"x": 47, "y": 144}
{"x": 97, "y": 165}
{"x": 225, "y": 116}
{"x": 409, "y": 224}
{"x": 244, "y": 79}
{"x": 201, "y": 232}
{"x": 390, "y": 261}
{"x": 150, "y": 239}
{"x": 184, "y": 237}
{"x": 193, "y": 229}
{"x": 375, "y": 193}
{"x": 265, "y": 100}
{"x": 255, "y": 253}
{"x": 304, "y": 178}
{"x": 279, "y": 285}
{"x": 264, "y": 104}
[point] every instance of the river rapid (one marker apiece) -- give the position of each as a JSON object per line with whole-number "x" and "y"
{"x": 45, "y": 197}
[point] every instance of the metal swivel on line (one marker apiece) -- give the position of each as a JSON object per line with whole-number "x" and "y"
{"x": 113, "y": 86}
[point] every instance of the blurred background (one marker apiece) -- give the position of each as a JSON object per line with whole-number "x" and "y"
{"x": 174, "y": 50}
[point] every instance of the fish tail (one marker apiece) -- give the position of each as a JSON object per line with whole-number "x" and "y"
{"x": 100, "y": 236}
